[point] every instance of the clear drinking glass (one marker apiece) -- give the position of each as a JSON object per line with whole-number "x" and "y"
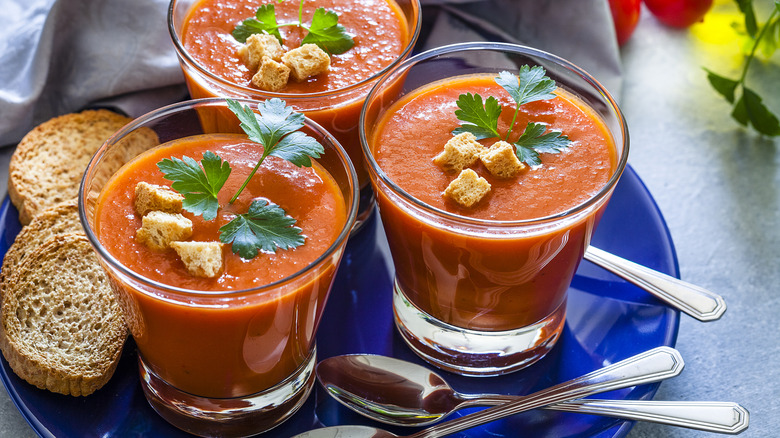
{"x": 478, "y": 296}
{"x": 336, "y": 110}
{"x": 219, "y": 363}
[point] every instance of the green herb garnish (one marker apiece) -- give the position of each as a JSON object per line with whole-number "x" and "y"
{"x": 265, "y": 227}
{"x": 263, "y": 23}
{"x": 749, "y": 108}
{"x": 534, "y": 141}
{"x": 199, "y": 186}
{"x": 324, "y": 30}
{"x": 481, "y": 119}
{"x": 277, "y": 130}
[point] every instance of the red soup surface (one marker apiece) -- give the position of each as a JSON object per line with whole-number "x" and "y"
{"x": 505, "y": 277}
{"x": 378, "y": 27}
{"x": 214, "y": 343}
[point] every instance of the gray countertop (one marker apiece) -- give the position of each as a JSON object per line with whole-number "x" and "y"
{"x": 718, "y": 187}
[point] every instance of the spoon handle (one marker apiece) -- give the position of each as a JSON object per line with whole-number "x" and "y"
{"x": 651, "y": 366}
{"x": 689, "y": 298}
{"x": 718, "y": 417}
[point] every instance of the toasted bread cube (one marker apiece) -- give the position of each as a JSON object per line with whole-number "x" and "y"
{"x": 307, "y": 60}
{"x": 460, "y": 152}
{"x": 272, "y": 75}
{"x": 501, "y": 161}
{"x": 202, "y": 259}
{"x": 468, "y": 188}
{"x": 257, "y": 47}
{"x": 150, "y": 197}
{"x": 159, "y": 229}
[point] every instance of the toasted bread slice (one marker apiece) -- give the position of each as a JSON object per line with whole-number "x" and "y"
{"x": 57, "y": 219}
{"x": 48, "y": 163}
{"x": 62, "y": 328}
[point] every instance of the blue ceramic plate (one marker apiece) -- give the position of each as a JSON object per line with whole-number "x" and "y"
{"x": 608, "y": 320}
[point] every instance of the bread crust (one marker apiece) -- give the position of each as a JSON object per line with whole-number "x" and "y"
{"x": 57, "y": 219}
{"x": 47, "y": 165}
{"x": 62, "y": 328}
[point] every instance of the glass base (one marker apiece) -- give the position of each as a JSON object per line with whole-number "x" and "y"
{"x": 229, "y": 417}
{"x": 472, "y": 352}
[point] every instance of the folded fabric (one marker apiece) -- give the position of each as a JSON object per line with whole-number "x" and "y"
{"x": 59, "y": 56}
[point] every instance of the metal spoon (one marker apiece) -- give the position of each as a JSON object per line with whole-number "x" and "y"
{"x": 689, "y": 298}
{"x": 402, "y": 393}
{"x": 651, "y": 366}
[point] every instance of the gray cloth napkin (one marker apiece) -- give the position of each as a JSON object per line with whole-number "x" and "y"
{"x": 59, "y": 56}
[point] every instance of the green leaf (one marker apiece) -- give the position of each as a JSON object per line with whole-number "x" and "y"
{"x": 198, "y": 185}
{"x": 480, "y": 119}
{"x": 760, "y": 117}
{"x": 746, "y": 6}
{"x": 264, "y": 23}
{"x": 276, "y": 128}
{"x": 298, "y": 148}
{"x": 530, "y": 85}
{"x": 739, "y": 113}
{"x": 265, "y": 227}
{"x": 535, "y": 141}
{"x": 722, "y": 85}
{"x": 327, "y": 33}
{"x": 275, "y": 121}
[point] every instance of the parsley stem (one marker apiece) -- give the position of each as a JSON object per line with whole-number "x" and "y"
{"x": 246, "y": 181}
{"x": 511, "y": 125}
{"x": 766, "y": 26}
{"x": 300, "y": 14}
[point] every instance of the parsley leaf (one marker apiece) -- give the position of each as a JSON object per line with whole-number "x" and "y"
{"x": 327, "y": 33}
{"x": 748, "y": 109}
{"x": 264, "y": 227}
{"x": 530, "y": 85}
{"x": 276, "y": 128}
{"x": 198, "y": 185}
{"x": 323, "y": 31}
{"x": 264, "y": 23}
{"x": 534, "y": 141}
{"x": 480, "y": 119}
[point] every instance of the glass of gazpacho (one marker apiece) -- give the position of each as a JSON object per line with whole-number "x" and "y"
{"x": 492, "y": 164}
{"x": 249, "y": 49}
{"x": 222, "y": 252}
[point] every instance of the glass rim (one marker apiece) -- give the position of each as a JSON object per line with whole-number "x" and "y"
{"x": 185, "y": 56}
{"x": 507, "y": 48}
{"x": 193, "y": 104}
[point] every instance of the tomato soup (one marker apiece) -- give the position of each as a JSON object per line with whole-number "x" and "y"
{"x": 383, "y": 32}
{"x": 507, "y": 275}
{"x": 222, "y": 339}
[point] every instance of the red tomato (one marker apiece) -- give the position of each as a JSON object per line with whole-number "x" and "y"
{"x": 625, "y": 14}
{"x": 679, "y": 13}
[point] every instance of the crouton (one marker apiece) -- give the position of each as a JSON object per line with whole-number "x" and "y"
{"x": 272, "y": 75}
{"x": 307, "y": 60}
{"x": 159, "y": 229}
{"x": 257, "y": 47}
{"x": 202, "y": 259}
{"x": 501, "y": 161}
{"x": 150, "y": 197}
{"x": 468, "y": 188}
{"x": 460, "y": 152}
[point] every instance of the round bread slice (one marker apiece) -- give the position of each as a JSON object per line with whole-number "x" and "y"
{"x": 62, "y": 329}
{"x": 57, "y": 219}
{"x": 47, "y": 165}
